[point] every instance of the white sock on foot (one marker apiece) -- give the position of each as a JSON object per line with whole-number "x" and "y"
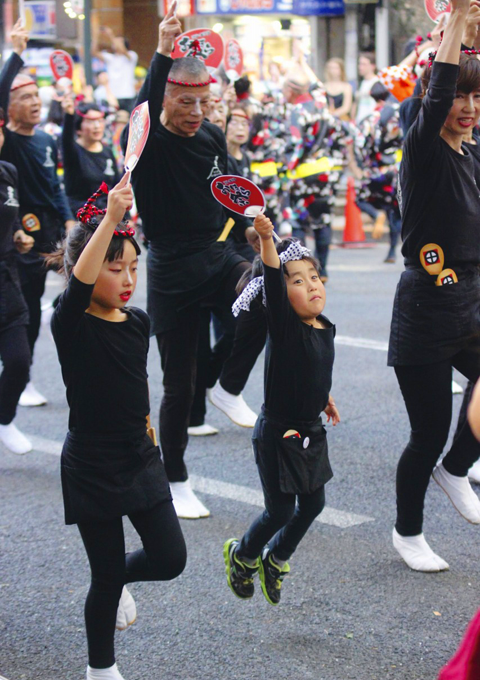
{"x": 14, "y": 440}
{"x": 458, "y": 489}
{"x": 474, "y": 472}
{"x": 127, "y": 611}
{"x": 186, "y": 504}
{"x": 111, "y": 673}
{"x": 417, "y": 554}
{"x": 31, "y": 396}
{"x": 233, "y": 406}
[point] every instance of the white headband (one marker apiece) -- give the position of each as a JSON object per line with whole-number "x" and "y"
{"x": 295, "y": 251}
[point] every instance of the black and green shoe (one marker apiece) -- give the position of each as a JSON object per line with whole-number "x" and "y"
{"x": 239, "y": 575}
{"x": 271, "y": 577}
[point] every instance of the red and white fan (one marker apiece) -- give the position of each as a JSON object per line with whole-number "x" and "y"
{"x": 202, "y": 43}
{"x": 435, "y": 8}
{"x": 139, "y": 128}
{"x": 239, "y": 195}
{"x": 61, "y": 64}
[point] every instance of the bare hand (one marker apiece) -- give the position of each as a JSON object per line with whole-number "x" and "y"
{"x": 264, "y": 227}
{"x": 331, "y": 412}
{"x": 169, "y": 29}
{"x": 19, "y": 37}
{"x": 471, "y": 24}
{"x": 120, "y": 199}
{"x": 68, "y": 105}
{"x": 253, "y": 238}
{"x": 436, "y": 33}
{"x": 460, "y": 5}
{"x": 23, "y": 242}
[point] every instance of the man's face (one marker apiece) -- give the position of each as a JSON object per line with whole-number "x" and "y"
{"x": 185, "y": 108}
{"x": 365, "y": 67}
{"x": 25, "y": 106}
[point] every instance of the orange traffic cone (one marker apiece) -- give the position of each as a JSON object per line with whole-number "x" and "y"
{"x": 353, "y": 234}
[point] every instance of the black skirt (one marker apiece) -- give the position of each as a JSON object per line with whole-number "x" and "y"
{"x": 107, "y": 476}
{"x": 432, "y": 323}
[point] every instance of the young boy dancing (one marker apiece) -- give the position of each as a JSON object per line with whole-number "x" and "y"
{"x": 289, "y": 440}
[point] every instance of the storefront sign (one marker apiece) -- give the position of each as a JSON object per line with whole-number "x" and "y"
{"x": 40, "y": 19}
{"x": 299, "y": 7}
{"x": 185, "y": 8}
{"x": 318, "y": 7}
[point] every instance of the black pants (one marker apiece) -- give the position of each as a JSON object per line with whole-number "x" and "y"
{"x": 33, "y": 287}
{"x": 249, "y": 341}
{"x": 287, "y": 517}
{"x": 427, "y": 391}
{"x": 15, "y": 356}
{"x": 323, "y": 239}
{"x": 162, "y": 558}
{"x": 178, "y": 352}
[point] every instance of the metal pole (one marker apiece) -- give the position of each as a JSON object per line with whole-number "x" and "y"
{"x": 87, "y": 41}
{"x": 382, "y": 38}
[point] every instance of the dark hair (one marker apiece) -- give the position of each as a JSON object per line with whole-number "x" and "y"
{"x": 188, "y": 66}
{"x": 83, "y": 108}
{"x": 255, "y": 269}
{"x": 64, "y": 259}
{"x": 285, "y": 243}
{"x": 242, "y": 85}
{"x": 468, "y": 77}
{"x": 2, "y": 115}
{"x": 370, "y": 56}
{"x": 379, "y": 92}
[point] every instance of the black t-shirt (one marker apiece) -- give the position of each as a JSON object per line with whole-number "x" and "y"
{"x": 439, "y": 197}
{"x": 85, "y": 170}
{"x": 299, "y": 358}
{"x": 104, "y": 364}
{"x": 240, "y": 166}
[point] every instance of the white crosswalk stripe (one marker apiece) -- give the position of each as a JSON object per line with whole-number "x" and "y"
{"x": 234, "y": 492}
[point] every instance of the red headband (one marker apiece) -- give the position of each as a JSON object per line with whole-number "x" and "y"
{"x": 184, "y": 84}
{"x": 432, "y": 55}
{"x": 89, "y": 212}
{"x": 85, "y": 115}
{"x": 17, "y": 87}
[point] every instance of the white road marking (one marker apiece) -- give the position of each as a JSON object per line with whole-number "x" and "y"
{"x": 233, "y": 492}
{"x": 365, "y": 343}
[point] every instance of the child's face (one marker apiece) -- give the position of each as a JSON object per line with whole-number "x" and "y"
{"x": 304, "y": 289}
{"x": 117, "y": 280}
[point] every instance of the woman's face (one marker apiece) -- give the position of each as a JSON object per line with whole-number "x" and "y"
{"x": 92, "y": 127}
{"x": 238, "y": 128}
{"x": 464, "y": 114}
{"x": 333, "y": 71}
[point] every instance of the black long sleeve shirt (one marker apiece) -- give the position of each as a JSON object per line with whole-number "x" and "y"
{"x": 440, "y": 199}
{"x": 173, "y": 177}
{"x": 299, "y": 358}
{"x": 34, "y": 156}
{"x": 85, "y": 170}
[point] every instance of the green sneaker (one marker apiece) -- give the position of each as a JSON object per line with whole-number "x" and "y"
{"x": 271, "y": 577}
{"x": 239, "y": 575}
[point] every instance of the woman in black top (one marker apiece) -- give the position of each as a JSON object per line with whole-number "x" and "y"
{"x": 14, "y": 348}
{"x": 87, "y": 161}
{"x": 436, "y": 318}
{"x": 109, "y": 465}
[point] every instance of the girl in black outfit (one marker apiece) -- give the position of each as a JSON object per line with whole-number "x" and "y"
{"x": 14, "y": 348}
{"x": 289, "y": 440}
{"x": 435, "y": 327}
{"x": 87, "y": 161}
{"x": 110, "y": 467}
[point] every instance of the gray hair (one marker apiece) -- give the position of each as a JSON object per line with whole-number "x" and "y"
{"x": 189, "y": 69}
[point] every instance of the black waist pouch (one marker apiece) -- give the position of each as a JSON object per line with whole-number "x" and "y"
{"x": 302, "y": 454}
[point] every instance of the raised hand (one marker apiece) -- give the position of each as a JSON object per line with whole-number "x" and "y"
{"x": 169, "y": 29}
{"x": 68, "y": 105}
{"x": 120, "y": 199}
{"x": 19, "y": 37}
{"x": 264, "y": 227}
{"x": 460, "y": 5}
{"x": 471, "y": 24}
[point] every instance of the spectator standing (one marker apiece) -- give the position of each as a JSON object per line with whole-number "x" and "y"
{"x": 338, "y": 89}
{"x": 364, "y": 104}
{"x": 120, "y": 64}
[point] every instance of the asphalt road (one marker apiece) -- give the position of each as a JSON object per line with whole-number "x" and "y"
{"x": 350, "y": 608}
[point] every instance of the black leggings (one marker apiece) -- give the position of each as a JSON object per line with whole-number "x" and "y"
{"x": 15, "y": 356}
{"x": 162, "y": 558}
{"x": 427, "y": 391}
{"x": 33, "y": 288}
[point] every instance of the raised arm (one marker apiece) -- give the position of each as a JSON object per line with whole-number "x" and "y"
{"x": 90, "y": 262}
{"x": 19, "y": 38}
{"x": 449, "y": 50}
{"x": 153, "y": 89}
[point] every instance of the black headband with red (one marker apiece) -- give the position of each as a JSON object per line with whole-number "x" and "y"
{"x": 91, "y": 215}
